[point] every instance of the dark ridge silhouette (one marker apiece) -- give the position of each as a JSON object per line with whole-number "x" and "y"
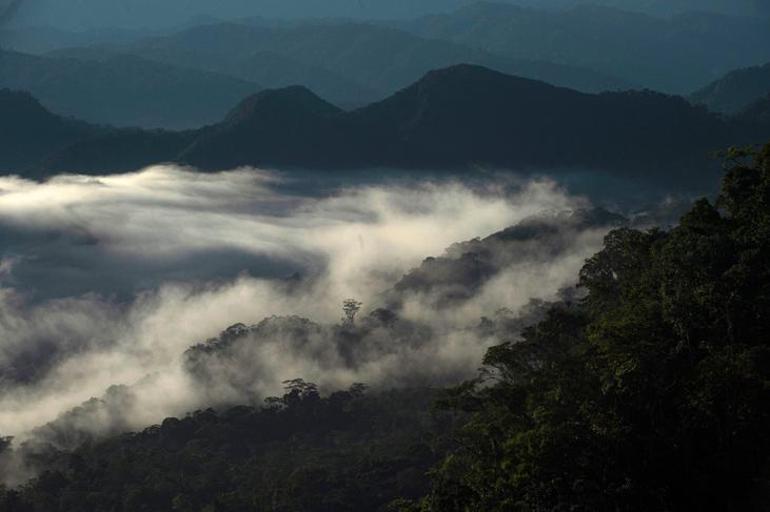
{"x": 28, "y": 130}
{"x": 452, "y": 119}
{"x": 273, "y": 128}
{"x": 757, "y": 114}
{"x": 115, "y": 150}
{"x": 465, "y": 116}
{"x": 35, "y": 142}
{"x": 735, "y": 91}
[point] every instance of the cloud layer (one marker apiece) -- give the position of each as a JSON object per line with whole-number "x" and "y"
{"x": 106, "y": 282}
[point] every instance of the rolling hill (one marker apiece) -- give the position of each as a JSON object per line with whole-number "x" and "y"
{"x": 453, "y": 119}
{"x": 35, "y": 142}
{"x": 735, "y": 91}
{"x": 124, "y": 90}
{"x": 28, "y": 130}
{"x": 672, "y": 55}
{"x": 346, "y": 63}
{"x": 466, "y": 115}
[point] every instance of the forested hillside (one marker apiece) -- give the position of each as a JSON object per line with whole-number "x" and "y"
{"x": 649, "y": 393}
{"x": 652, "y": 393}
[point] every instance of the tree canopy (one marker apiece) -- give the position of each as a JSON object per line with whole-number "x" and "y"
{"x": 652, "y": 393}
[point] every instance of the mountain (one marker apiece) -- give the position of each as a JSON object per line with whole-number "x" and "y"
{"x": 736, "y": 90}
{"x": 758, "y": 113}
{"x": 458, "y": 275}
{"x": 85, "y": 15}
{"x": 453, "y": 119}
{"x": 573, "y": 406}
{"x": 467, "y": 115}
{"x": 672, "y": 55}
{"x": 113, "y": 150}
{"x": 124, "y": 90}
{"x": 665, "y": 7}
{"x": 346, "y": 63}
{"x": 28, "y": 130}
{"x": 350, "y": 451}
{"x": 143, "y": 14}
{"x": 42, "y": 39}
{"x": 35, "y": 142}
{"x": 277, "y": 127}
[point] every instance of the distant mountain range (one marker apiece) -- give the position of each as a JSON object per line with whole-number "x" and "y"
{"x": 34, "y": 142}
{"x": 735, "y": 91}
{"x": 350, "y": 64}
{"x": 28, "y": 131}
{"x": 673, "y": 55}
{"x": 452, "y": 119}
{"x": 124, "y": 90}
{"x": 192, "y": 74}
{"x": 111, "y": 14}
{"x": 667, "y": 7}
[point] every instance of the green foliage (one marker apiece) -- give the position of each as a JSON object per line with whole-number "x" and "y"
{"x": 350, "y": 451}
{"x": 651, "y": 394}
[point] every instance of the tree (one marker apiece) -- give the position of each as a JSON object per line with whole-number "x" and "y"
{"x": 651, "y": 394}
{"x": 350, "y": 307}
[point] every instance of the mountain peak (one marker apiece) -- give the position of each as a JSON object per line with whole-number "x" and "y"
{"x": 21, "y": 105}
{"x": 464, "y": 79}
{"x": 292, "y": 100}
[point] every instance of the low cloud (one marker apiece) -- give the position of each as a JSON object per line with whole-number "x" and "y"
{"x": 105, "y": 283}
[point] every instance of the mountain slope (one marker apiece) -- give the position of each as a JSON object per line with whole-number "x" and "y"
{"x": 36, "y": 143}
{"x": 672, "y": 55}
{"x": 124, "y": 90}
{"x": 465, "y": 116}
{"x": 347, "y": 63}
{"x": 452, "y": 120}
{"x": 736, "y": 90}
{"x": 28, "y": 130}
{"x": 757, "y": 114}
{"x": 665, "y": 7}
{"x": 276, "y": 127}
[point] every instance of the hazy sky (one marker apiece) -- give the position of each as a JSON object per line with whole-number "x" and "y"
{"x": 79, "y": 14}
{"x": 149, "y": 14}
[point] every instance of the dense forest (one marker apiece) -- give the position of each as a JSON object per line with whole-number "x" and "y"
{"x": 649, "y": 393}
{"x": 652, "y": 393}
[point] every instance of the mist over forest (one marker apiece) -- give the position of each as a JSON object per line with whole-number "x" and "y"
{"x": 403, "y": 256}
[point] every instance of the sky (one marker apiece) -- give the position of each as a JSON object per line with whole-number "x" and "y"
{"x": 152, "y": 14}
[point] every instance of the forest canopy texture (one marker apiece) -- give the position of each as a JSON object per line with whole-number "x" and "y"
{"x": 651, "y": 393}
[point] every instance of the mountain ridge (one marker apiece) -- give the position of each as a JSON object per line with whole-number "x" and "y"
{"x": 452, "y": 119}
{"x": 124, "y": 90}
{"x": 736, "y": 90}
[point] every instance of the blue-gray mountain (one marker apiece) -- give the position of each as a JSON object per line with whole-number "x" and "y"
{"x": 453, "y": 119}
{"x": 86, "y": 14}
{"x": 736, "y": 90}
{"x": 672, "y": 55}
{"x": 349, "y": 64}
{"x": 124, "y": 90}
